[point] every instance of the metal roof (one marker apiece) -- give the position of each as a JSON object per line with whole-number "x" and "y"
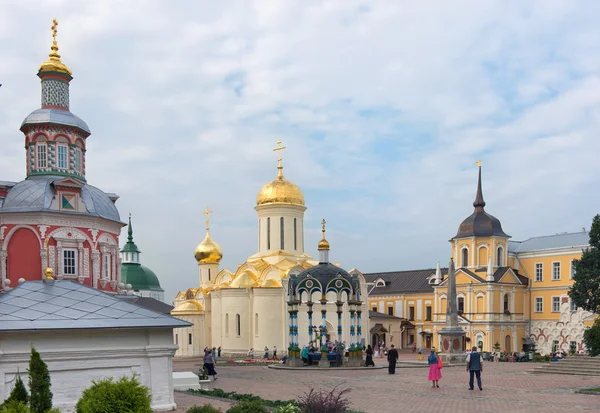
{"x": 67, "y": 305}
{"x": 36, "y": 194}
{"x": 148, "y": 302}
{"x": 548, "y": 242}
{"x": 58, "y": 116}
{"x": 412, "y": 281}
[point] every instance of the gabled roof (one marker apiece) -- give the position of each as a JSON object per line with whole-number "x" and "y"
{"x": 375, "y": 314}
{"x": 480, "y": 274}
{"x": 67, "y": 305}
{"x": 396, "y": 282}
{"x": 549, "y": 242}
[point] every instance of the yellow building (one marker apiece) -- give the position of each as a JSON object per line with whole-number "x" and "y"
{"x": 509, "y": 293}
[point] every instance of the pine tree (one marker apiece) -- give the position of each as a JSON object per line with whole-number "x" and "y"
{"x": 584, "y": 291}
{"x": 39, "y": 384}
{"x": 19, "y": 393}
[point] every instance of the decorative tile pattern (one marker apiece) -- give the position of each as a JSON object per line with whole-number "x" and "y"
{"x": 55, "y": 93}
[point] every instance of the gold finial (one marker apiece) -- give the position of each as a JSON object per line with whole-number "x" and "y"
{"x": 53, "y": 27}
{"x": 323, "y": 222}
{"x": 207, "y": 214}
{"x": 478, "y": 163}
{"x": 54, "y": 64}
{"x": 323, "y": 244}
{"x": 48, "y": 272}
{"x": 278, "y": 149}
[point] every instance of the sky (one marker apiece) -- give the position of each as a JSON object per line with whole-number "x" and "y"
{"x": 384, "y": 107}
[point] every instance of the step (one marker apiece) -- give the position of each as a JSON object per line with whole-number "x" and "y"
{"x": 568, "y": 371}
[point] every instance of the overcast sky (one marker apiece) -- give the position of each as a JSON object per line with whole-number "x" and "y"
{"x": 384, "y": 106}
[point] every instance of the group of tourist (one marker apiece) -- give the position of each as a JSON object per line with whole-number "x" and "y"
{"x": 474, "y": 368}
{"x": 312, "y": 352}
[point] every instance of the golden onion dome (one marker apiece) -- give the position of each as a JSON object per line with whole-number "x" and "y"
{"x": 54, "y": 64}
{"x": 208, "y": 251}
{"x": 280, "y": 191}
{"x": 323, "y": 244}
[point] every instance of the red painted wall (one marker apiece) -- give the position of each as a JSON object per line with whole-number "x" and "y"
{"x": 24, "y": 259}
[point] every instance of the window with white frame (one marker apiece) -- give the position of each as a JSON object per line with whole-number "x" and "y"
{"x": 572, "y": 276}
{"x": 572, "y": 306}
{"x": 106, "y": 267}
{"x": 62, "y": 158}
{"x": 555, "y": 345}
{"x": 539, "y": 304}
{"x": 555, "y": 271}
{"x": 539, "y": 272}
{"x": 42, "y": 155}
{"x": 500, "y": 257}
{"x": 465, "y": 257}
{"x": 77, "y": 160}
{"x": 69, "y": 261}
{"x": 555, "y": 304}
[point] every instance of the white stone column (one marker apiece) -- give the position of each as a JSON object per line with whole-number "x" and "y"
{"x": 3, "y": 274}
{"x": 469, "y": 299}
{"x": 490, "y": 302}
{"x": 80, "y": 259}
{"x": 95, "y": 268}
{"x": 60, "y": 263}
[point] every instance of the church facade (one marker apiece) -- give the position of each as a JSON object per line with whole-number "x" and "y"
{"x": 54, "y": 219}
{"x": 509, "y": 293}
{"x": 247, "y": 308}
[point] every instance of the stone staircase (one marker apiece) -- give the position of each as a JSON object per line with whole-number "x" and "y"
{"x": 574, "y": 365}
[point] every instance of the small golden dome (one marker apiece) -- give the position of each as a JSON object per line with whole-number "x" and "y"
{"x": 323, "y": 245}
{"x": 208, "y": 251}
{"x": 280, "y": 191}
{"x": 54, "y": 64}
{"x": 48, "y": 273}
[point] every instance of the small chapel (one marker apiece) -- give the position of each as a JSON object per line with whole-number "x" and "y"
{"x": 247, "y": 308}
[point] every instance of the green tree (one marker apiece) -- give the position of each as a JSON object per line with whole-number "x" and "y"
{"x": 39, "y": 384}
{"x": 586, "y": 286}
{"x": 591, "y": 338}
{"x": 18, "y": 392}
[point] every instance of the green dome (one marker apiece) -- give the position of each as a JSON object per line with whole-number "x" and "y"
{"x": 141, "y": 278}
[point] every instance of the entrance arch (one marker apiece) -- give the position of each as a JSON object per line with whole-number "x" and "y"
{"x": 507, "y": 341}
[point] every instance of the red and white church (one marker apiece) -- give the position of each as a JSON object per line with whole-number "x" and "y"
{"x": 54, "y": 218}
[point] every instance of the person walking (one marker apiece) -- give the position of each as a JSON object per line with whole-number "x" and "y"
{"x": 266, "y": 352}
{"x": 219, "y": 351}
{"x": 274, "y": 352}
{"x": 209, "y": 364}
{"x": 214, "y": 351}
{"x": 392, "y": 356}
{"x": 474, "y": 367}
{"x": 435, "y": 374}
{"x": 369, "y": 359}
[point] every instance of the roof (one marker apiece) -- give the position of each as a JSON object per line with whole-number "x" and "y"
{"x": 375, "y": 314}
{"x": 58, "y": 116}
{"x": 67, "y": 305}
{"x": 548, "y": 242}
{"x": 7, "y": 183}
{"x": 412, "y": 281}
{"x": 36, "y": 194}
{"x": 148, "y": 303}
{"x": 140, "y": 277}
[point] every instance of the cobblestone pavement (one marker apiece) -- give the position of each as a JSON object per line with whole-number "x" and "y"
{"x": 508, "y": 387}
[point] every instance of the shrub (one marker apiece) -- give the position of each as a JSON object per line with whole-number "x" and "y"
{"x": 18, "y": 393}
{"x": 248, "y": 407}
{"x": 322, "y": 401}
{"x": 39, "y": 384}
{"x": 207, "y": 408}
{"x": 106, "y": 396}
{"x": 288, "y": 408}
{"x": 14, "y": 406}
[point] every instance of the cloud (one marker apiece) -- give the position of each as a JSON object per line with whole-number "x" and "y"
{"x": 384, "y": 107}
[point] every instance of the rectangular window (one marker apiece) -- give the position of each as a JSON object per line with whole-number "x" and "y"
{"x": 41, "y": 155}
{"x": 411, "y": 338}
{"x": 62, "y": 151}
{"x": 70, "y": 262}
{"x": 190, "y": 338}
{"x": 281, "y": 233}
{"x": 573, "y": 306}
{"x": 555, "y": 345}
{"x": 106, "y": 267}
{"x": 555, "y": 271}
{"x": 539, "y": 305}
{"x": 461, "y": 304}
{"x": 374, "y": 309}
{"x": 555, "y": 304}
{"x": 77, "y": 158}
{"x": 572, "y": 275}
{"x": 295, "y": 236}
{"x": 411, "y": 313}
{"x": 539, "y": 272}
{"x": 428, "y": 313}
{"x": 390, "y": 310}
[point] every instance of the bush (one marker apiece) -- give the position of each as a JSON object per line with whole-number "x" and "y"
{"x": 18, "y": 393}
{"x": 207, "y": 408}
{"x": 322, "y": 401}
{"x": 39, "y": 384}
{"x": 14, "y": 406}
{"x": 288, "y": 408}
{"x": 124, "y": 396}
{"x": 248, "y": 407}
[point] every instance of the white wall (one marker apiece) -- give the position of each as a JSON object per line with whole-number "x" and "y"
{"x": 76, "y": 357}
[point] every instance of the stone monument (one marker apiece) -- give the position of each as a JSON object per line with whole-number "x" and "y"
{"x": 452, "y": 336}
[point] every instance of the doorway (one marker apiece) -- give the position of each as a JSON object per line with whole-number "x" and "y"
{"x": 427, "y": 341}
{"x": 507, "y": 341}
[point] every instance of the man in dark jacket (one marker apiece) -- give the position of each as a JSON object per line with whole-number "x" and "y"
{"x": 474, "y": 367}
{"x": 392, "y": 357}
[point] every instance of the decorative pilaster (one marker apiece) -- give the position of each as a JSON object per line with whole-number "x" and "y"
{"x": 323, "y": 362}
{"x": 3, "y": 274}
{"x": 339, "y": 316}
{"x": 359, "y": 329}
{"x": 310, "y": 320}
{"x": 59, "y": 252}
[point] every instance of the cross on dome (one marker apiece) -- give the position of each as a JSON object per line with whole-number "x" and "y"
{"x": 278, "y": 149}
{"x": 207, "y": 213}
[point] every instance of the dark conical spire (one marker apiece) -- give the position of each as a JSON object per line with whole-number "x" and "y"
{"x": 129, "y": 231}
{"x": 479, "y": 203}
{"x": 130, "y": 245}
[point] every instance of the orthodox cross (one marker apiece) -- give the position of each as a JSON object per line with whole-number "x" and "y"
{"x": 53, "y": 27}
{"x": 478, "y": 163}
{"x": 278, "y": 150}
{"x": 323, "y": 222}
{"x": 207, "y": 214}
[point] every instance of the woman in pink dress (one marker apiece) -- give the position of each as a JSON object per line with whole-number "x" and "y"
{"x": 435, "y": 374}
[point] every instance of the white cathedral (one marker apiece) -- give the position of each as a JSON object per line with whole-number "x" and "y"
{"x": 248, "y": 308}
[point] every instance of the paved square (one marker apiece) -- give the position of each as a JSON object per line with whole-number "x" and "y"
{"x": 508, "y": 387}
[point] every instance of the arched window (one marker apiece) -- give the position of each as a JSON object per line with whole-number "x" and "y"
{"x": 465, "y": 257}
{"x": 256, "y": 324}
{"x": 226, "y": 324}
{"x": 209, "y": 274}
{"x": 238, "y": 325}
{"x": 281, "y": 233}
{"x": 295, "y": 236}
{"x": 506, "y": 309}
{"x": 500, "y": 258}
{"x": 461, "y": 304}
{"x": 269, "y": 233}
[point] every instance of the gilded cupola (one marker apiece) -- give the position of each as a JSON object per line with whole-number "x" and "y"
{"x": 54, "y": 64}
{"x": 280, "y": 190}
{"x": 208, "y": 251}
